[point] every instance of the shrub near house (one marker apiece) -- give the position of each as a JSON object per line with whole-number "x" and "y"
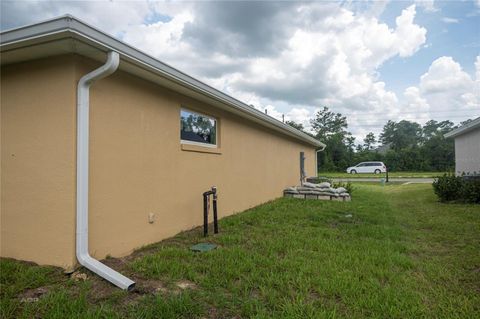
{"x": 456, "y": 188}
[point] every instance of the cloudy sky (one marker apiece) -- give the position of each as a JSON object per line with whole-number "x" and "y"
{"x": 370, "y": 60}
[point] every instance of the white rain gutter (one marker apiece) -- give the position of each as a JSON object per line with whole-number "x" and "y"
{"x": 83, "y": 106}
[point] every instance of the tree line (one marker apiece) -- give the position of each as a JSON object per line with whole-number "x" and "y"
{"x": 404, "y": 145}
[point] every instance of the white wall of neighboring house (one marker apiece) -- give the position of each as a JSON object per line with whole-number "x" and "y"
{"x": 467, "y": 153}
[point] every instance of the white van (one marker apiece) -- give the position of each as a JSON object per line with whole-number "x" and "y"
{"x": 368, "y": 167}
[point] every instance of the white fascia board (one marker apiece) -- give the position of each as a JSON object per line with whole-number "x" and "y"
{"x": 69, "y": 26}
{"x": 475, "y": 124}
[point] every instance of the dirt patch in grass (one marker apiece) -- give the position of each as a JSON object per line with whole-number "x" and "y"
{"x": 100, "y": 290}
{"x": 313, "y": 295}
{"x": 212, "y": 313}
{"x": 185, "y": 284}
{"x": 149, "y": 286}
{"x": 33, "y": 295}
{"x": 255, "y": 293}
{"x": 144, "y": 288}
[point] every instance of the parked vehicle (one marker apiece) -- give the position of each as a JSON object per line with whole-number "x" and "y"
{"x": 367, "y": 167}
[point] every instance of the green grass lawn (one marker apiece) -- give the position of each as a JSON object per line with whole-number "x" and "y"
{"x": 390, "y": 174}
{"x": 401, "y": 254}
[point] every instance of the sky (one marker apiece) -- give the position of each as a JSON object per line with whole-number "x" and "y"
{"x": 372, "y": 61}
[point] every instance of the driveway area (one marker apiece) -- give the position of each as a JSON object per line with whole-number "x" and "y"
{"x": 396, "y": 180}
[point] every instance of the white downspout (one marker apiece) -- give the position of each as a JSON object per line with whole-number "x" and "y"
{"x": 83, "y": 93}
{"x": 316, "y": 158}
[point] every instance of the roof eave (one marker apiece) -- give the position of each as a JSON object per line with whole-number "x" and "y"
{"x": 68, "y": 26}
{"x": 464, "y": 129}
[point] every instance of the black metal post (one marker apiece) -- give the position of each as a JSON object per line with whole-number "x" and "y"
{"x": 215, "y": 216}
{"x": 206, "y": 202}
{"x": 386, "y": 171}
{"x": 205, "y": 214}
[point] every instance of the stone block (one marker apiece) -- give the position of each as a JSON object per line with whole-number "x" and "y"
{"x": 324, "y": 197}
{"x": 305, "y": 189}
{"x": 326, "y": 194}
{"x": 309, "y": 193}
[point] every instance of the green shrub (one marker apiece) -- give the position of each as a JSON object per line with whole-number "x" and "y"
{"x": 455, "y": 188}
{"x": 348, "y": 186}
{"x": 447, "y": 187}
{"x": 470, "y": 191}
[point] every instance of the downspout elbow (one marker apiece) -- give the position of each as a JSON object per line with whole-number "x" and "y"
{"x": 105, "y": 272}
{"x": 110, "y": 66}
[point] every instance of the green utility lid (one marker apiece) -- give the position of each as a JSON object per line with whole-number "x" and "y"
{"x": 201, "y": 247}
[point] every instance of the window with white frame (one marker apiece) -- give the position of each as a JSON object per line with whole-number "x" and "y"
{"x": 196, "y": 128}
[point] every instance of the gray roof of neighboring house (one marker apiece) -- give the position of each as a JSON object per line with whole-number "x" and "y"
{"x": 67, "y": 34}
{"x": 475, "y": 124}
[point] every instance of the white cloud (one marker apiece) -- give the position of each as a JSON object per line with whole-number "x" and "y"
{"x": 450, "y": 20}
{"x": 410, "y": 36}
{"x": 444, "y": 74}
{"x": 414, "y": 99}
{"x": 427, "y": 5}
{"x": 272, "y": 111}
{"x": 338, "y": 69}
{"x": 445, "y": 86}
{"x": 161, "y": 38}
{"x": 300, "y": 115}
{"x": 111, "y": 17}
{"x": 416, "y": 107}
{"x": 477, "y": 68}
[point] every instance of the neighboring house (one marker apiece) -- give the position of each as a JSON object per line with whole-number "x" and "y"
{"x": 467, "y": 148}
{"x": 145, "y": 182}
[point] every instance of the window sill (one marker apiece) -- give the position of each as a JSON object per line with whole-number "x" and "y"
{"x": 200, "y": 149}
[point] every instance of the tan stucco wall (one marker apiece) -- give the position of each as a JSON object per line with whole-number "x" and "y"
{"x": 137, "y": 166}
{"x": 38, "y": 161}
{"x": 467, "y": 153}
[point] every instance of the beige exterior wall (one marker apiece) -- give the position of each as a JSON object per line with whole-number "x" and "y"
{"x": 38, "y": 161}
{"x": 137, "y": 164}
{"x": 467, "y": 153}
